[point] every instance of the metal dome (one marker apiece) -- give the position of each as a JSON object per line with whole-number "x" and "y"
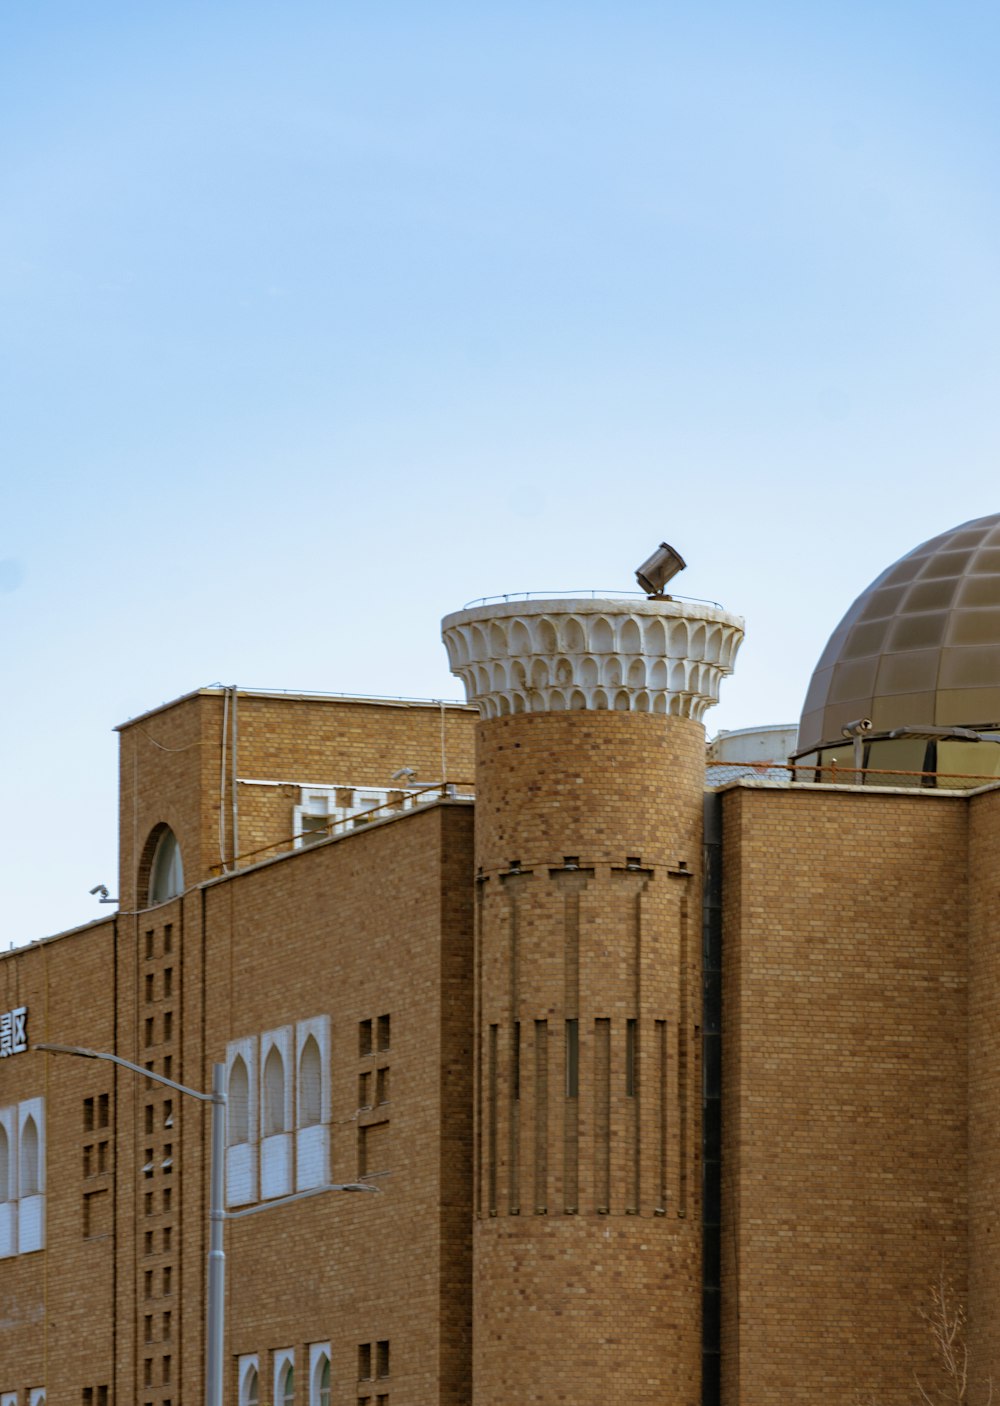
{"x": 919, "y": 647}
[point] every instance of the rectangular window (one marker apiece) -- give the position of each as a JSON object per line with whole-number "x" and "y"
{"x": 382, "y": 1086}
{"x": 364, "y": 1362}
{"x": 572, "y": 1059}
{"x": 168, "y": 1025}
{"x": 382, "y": 1358}
{"x": 103, "y": 1115}
{"x": 365, "y": 1090}
{"x": 88, "y": 1115}
{"x": 149, "y": 1031}
{"x": 630, "y": 1029}
{"x": 168, "y": 937}
{"x": 150, "y": 939}
{"x": 364, "y": 1038}
{"x": 149, "y": 987}
{"x": 168, "y": 981}
{"x": 383, "y": 1032}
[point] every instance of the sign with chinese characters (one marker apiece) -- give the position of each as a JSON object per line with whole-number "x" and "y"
{"x": 14, "y": 1032}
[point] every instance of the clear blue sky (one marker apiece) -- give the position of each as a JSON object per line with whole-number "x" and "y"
{"x": 320, "y": 319}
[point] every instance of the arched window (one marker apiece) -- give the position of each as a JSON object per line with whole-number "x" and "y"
{"x": 250, "y": 1388}
{"x": 166, "y": 877}
{"x": 239, "y": 1103}
{"x": 320, "y": 1394}
{"x": 29, "y": 1158}
{"x": 274, "y": 1093}
{"x": 310, "y": 1084}
{"x": 287, "y": 1390}
{"x": 4, "y": 1165}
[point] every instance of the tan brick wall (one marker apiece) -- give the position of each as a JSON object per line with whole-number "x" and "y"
{"x": 172, "y": 769}
{"x": 56, "y": 1305}
{"x": 845, "y": 1089}
{"x": 587, "y": 1242}
{"x": 379, "y": 927}
{"x": 861, "y": 1073}
{"x": 984, "y": 1086}
{"x": 163, "y": 766}
{"x": 380, "y": 923}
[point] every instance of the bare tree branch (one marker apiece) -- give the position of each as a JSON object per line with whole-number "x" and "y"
{"x": 945, "y": 1319}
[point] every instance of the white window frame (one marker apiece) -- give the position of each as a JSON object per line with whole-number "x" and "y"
{"x": 321, "y": 801}
{"x": 8, "y": 1207}
{"x": 281, "y": 1040}
{"x": 319, "y": 1028}
{"x": 244, "y": 1366}
{"x": 284, "y": 1357}
{"x": 33, "y": 1108}
{"x": 31, "y": 1208}
{"x": 313, "y": 801}
{"x": 22, "y": 1218}
{"x": 276, "y": 1149}
{"x": 318, "y": 1354}
{"x": 241, "y": 1157}
{"x": 312, "y": 1143}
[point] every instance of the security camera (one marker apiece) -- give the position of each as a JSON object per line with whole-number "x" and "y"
{"x": 102, "y": 889}
{"x": 856, "y": 729}
{"x": 405, "y": 773}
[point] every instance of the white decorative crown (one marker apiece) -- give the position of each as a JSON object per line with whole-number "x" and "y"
{"x": 641, "y": 656}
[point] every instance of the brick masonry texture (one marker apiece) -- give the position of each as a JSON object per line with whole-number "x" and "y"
{"x": 536, "y": 1136}
{"x": 174, "y": 770}
{"x": 379, "y": 925}
{"x": 587, "y": 1251}
{"x": 845, "y": 1059}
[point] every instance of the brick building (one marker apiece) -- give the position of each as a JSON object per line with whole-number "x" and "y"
{"x": 673, "y": 1092}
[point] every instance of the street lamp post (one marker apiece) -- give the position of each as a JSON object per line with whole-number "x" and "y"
{"x": 217, "y": 1216}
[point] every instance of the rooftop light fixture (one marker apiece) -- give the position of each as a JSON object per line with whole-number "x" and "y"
{"x": 660, "y": 568}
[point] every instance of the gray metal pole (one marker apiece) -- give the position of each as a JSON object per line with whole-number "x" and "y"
{"x": 216, "y": 1327}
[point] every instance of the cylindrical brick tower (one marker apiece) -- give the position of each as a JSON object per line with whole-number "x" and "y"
{"x": 589, "y": 780}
